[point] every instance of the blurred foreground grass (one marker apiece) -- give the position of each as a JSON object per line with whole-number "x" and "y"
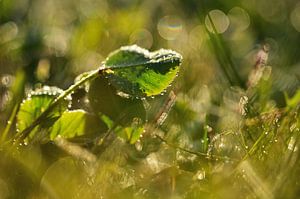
{"x": 232, "y": 133}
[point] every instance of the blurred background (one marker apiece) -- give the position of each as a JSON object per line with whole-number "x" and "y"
{"x": 53, "y": 41}
{"x": 50, "y": 42}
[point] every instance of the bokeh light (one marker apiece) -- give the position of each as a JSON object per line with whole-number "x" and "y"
{"x": 197, "y": 37}
{"x": 295, "y": 17}
{"x": 273, "y": 11}
{"x": 239, "y": 19}
{"x": 57, "y": 40}
{"x": 8, "y": 32}
{"x": 4, "y": 189}
{"x": 43, "y": 70}
{"x": 219, "y": 19}
{"x": 169, "y": 27}
{"x": 142, "y": 37}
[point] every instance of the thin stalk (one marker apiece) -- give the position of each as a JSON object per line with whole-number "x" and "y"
{"x": 9, "y": 123}
{"x": 226, "y": 58}
{"x": 250, "y": 152}
{"x": 205, "y": 136}
{"x": 220, "y": 59}
{"x": 216, "y": 45}
{"x": 193, "y": 152}
{"x": 254, "y": 147}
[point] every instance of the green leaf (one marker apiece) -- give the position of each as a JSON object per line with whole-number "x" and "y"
{"x": 134, "y": 131}
{"x": 104, "y": 99}
{"x": 76, "y": 123}
{"x": 140, "y": 73}
{"x": 36, "y": 103}
{"x": 292, "y": 101}
{"x": 130, "y": 133}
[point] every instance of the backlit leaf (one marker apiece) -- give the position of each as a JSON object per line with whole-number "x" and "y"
{"x": 141, "y": 73}
{"x": 36, "y": 103}
{"x": 76, "y": 123}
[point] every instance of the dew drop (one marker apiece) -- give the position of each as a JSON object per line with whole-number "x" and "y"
{"x": 138, "y": 146}
{"x": 220, "y": 21}
{"x": 200, "y": 175}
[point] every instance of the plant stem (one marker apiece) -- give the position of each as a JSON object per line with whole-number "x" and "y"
{"x": 254, "y": 147}
{"x": 205, "y": 136}
{"x": 23, "y": 134}
{"x": 223, "y": 56}
{"x": 205, "y": 155}
{"x": 9, "y": 123}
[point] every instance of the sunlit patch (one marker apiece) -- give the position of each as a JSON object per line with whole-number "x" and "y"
{"x": 272, "y": 11}
{"x": 225, "y": 144}
{"x": 8, "y": 32}
{"x": 4, "y": 189}
{"x": 5, "y": 99}
{"x": 43, "y": 70}
{"x": 239, "y": 19}
{"x": 219, "y": 19}
{"x": 63, "y": 171}
{"x": 231, "y": 98}
{"x": 295, "y": 17}
{"x": 254, "y": 180}
{"x": 169, "y": 27}
{"x": 88, "y": 61}
{"x": 180, "y": 43}
{"x": 292, "y": 144}
{"x": 242, "y": 109}
{"x": 57, "y": 41}
{"x": 155, "y": 163}
{"x": 200, "y": 175}
{"x": 93, "y": 8}
{"x": 6, "y": 80}
{"x": 142, "y": 37}
{"x": 197, "y": 37}
{"x": 237, "y": 38}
